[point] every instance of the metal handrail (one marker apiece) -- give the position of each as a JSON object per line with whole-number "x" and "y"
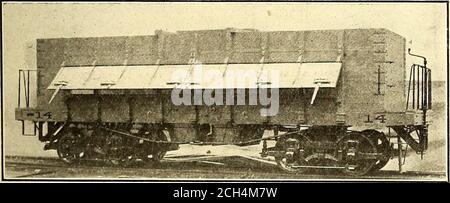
{"x": 421, "y": 88}
{"x": 25, "y": 74}
{"x": 421, "y": 100}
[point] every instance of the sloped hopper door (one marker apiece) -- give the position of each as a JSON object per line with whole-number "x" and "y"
{"x": 279, "y": 75}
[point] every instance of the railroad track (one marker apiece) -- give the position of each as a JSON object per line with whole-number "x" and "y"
{"x": 24, "y": 168}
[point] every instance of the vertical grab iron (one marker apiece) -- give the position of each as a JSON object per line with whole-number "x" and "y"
{"x": 24, "y": 77}
{"x": 421, "y": 96}
{"x": 420, "y": 85}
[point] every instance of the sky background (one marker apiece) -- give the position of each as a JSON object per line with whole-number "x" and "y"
{"x": 422, "y": 24}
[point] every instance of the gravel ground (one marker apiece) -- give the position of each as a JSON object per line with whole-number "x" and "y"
{"x": 186, "y": 168}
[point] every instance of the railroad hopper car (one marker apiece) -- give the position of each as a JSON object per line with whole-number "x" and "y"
{"x": 341, "y": 96}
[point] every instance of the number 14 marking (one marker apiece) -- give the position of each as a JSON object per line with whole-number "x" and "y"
{"x": 47, "y": 114}
{"x": 380, "y": 118}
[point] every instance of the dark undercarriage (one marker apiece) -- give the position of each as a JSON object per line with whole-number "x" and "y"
{"x": 297, "y": 149}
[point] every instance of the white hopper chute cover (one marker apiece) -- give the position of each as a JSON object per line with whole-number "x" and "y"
{"x": 199, "y": 76}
